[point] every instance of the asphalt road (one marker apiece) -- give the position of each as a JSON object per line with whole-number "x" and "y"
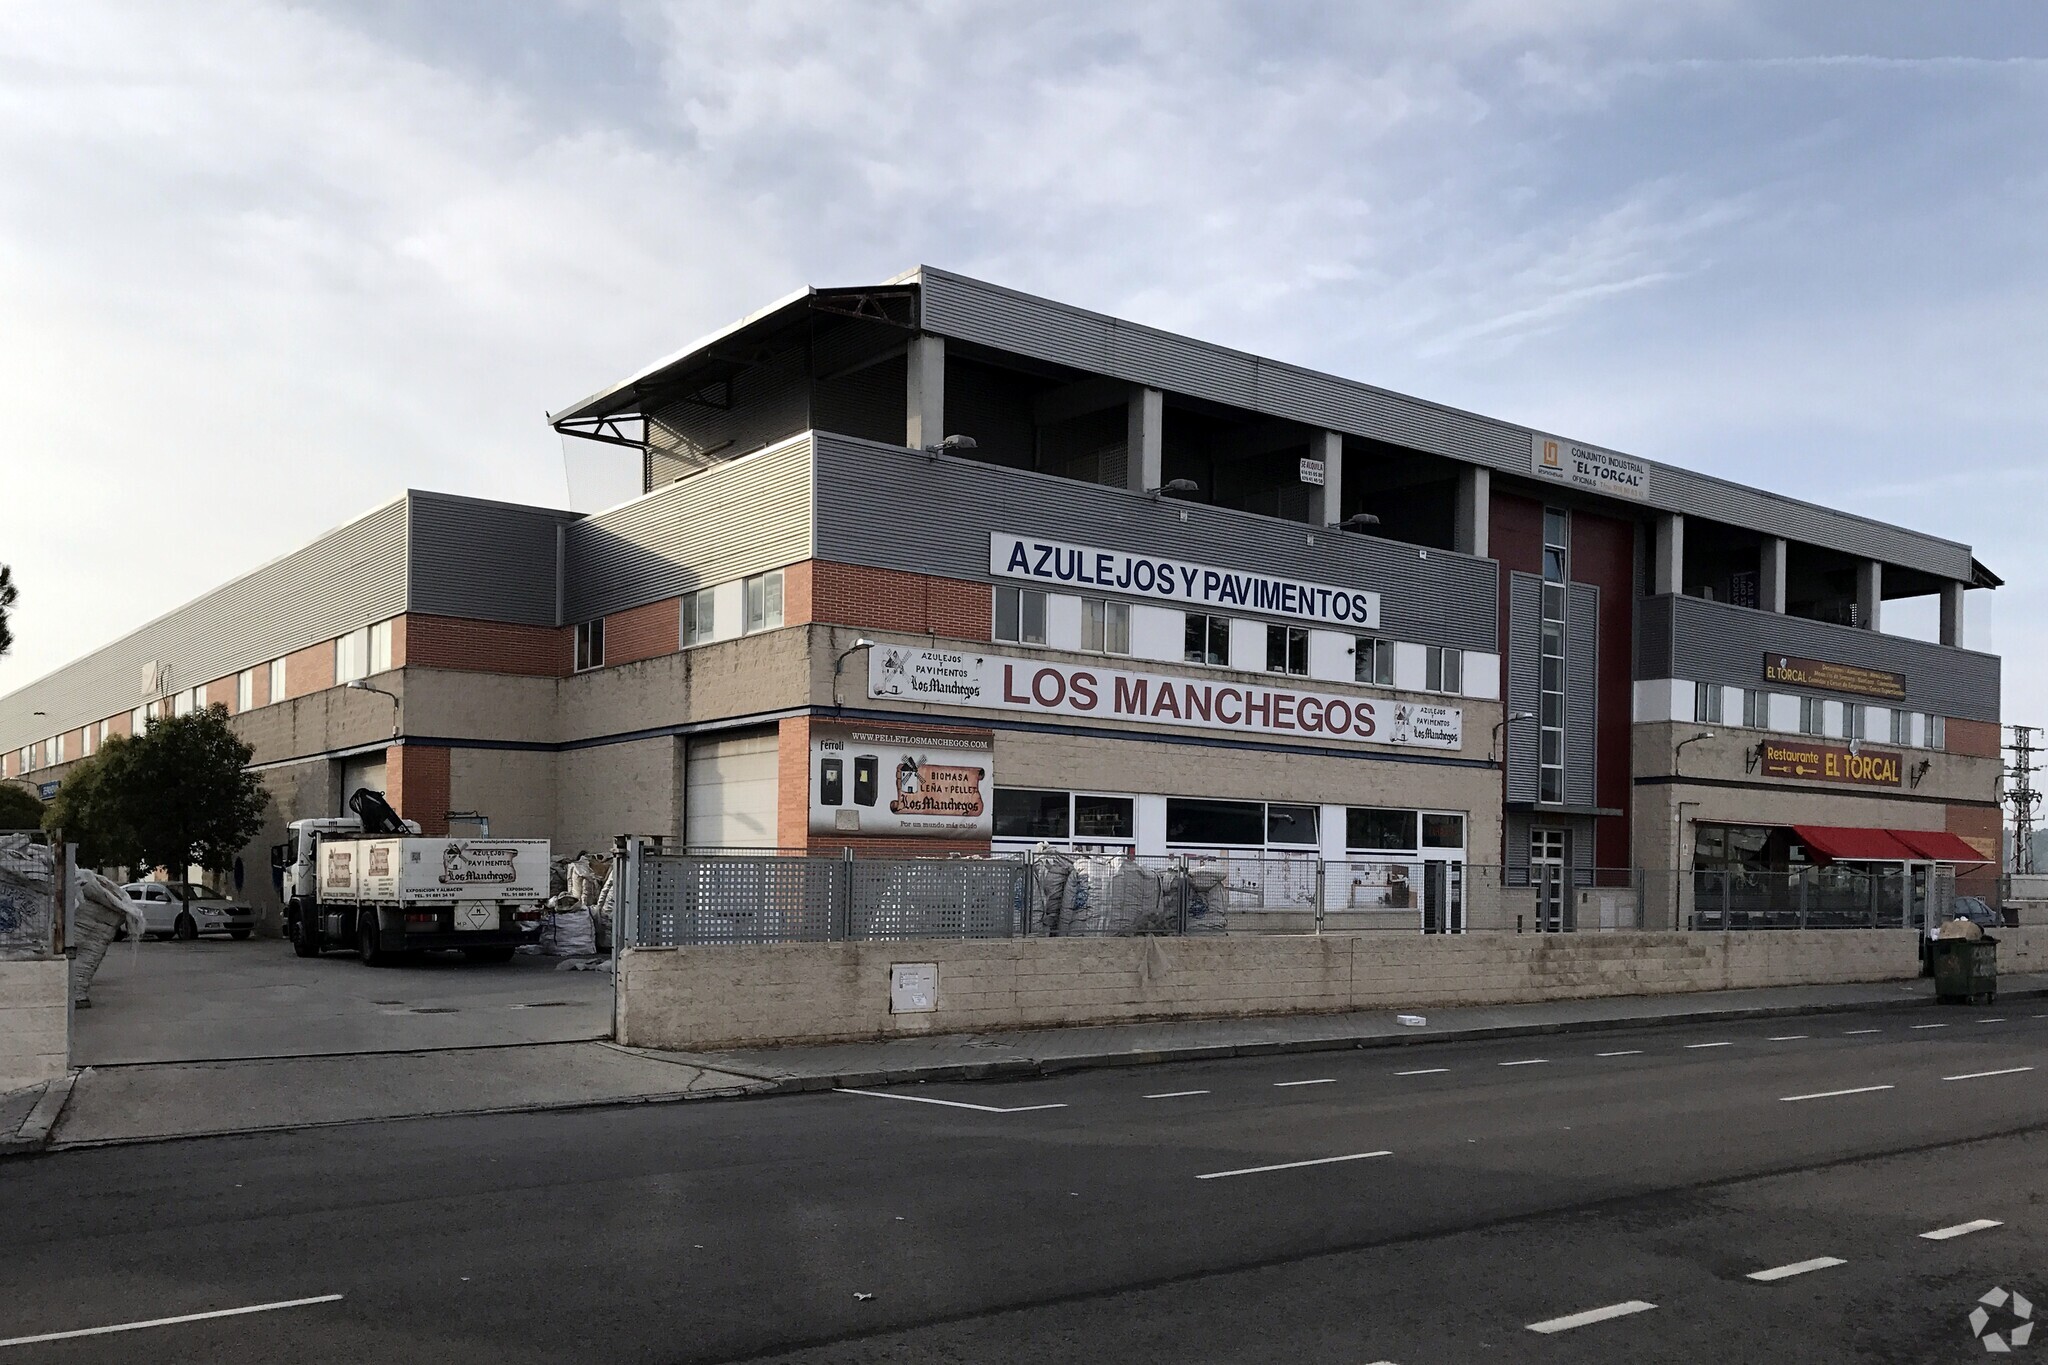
{"x": 1429, "y": 1203}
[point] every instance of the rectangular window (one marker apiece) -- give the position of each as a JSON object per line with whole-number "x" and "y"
{"x": 1902, "y": 726}
{"x": 1811, "y": 710}
{"x": 106, "y": 728}
{"x": 57, "y": 750}
{"x": 202, "y": 696}
{"x": 1207, "y": 639}
{"x": 1372, "y": 661}
{"x": 137, "y": 720}
{"x": 700, "y": 616}
{"x": 1291, "y": 825}
{"x": 1442, "y": 830}
{"x": 1937, "y": 732}
{"x": 590, "y": 645}
{"x": 1105, "y": 817}
{"x": 245, "y": 691}
{"x": 764, "y": 602}
{"x": 1550, "y": 713}
{"x": 380, "y": 647}
{"x": 1756, "y": 709}
{"x": 1287, "y": 649}
{"x": 1213, "y": 823}
{"x": 1371, "y": 829}
{"x": 1030, "y": 814}
{"x": 1020, "y": 616}
{"x": 277, "y": 690}
{"x": 182, "y": 704}
{"x": 1105, "y": 626}
{"x": 1444, "y": 670}
{"x": 1706, "y": 703}
{"x": 85, "y": 741}
{"x": 1852, "y": 720}
{"x": 352, "y": 656}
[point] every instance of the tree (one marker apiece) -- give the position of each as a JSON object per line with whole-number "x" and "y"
{"x": 19, "y": 808}
{"x": 7, "y": 595}
{"x": 177, "y": 795}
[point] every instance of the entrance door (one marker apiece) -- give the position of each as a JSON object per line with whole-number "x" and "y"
{"x": 1443, "y": 896}
{"x": 1549, "y": 859}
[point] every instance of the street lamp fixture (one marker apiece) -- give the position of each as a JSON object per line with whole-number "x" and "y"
{"x": 1691, "y": 739}
{"x": 840, "y": 663}
{"x": 358, "y": 685}
{"x": 1502, "y": 724}
{"x": 1358, "y": 522}
{"x": 1176, "y": 488}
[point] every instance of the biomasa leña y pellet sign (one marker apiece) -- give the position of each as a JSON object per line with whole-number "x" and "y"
{"x": 871, "y": 780}
{"x": 1043, "y": 687}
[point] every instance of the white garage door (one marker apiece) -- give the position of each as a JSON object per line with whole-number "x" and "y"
{"x": 729, "y": 796}
{"x": 361, "y": 770}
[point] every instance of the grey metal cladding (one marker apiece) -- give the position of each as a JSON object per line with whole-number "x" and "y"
{"x": 1581, "y": 692}
{"x": 1023, "y": 324}
{"x": 738, "y": 518}
{"x": 348, "y": 578}
{"x": 1652, "y": 639}
{"x": 889, "y": 507}
{"x": 1717, "y": 643}
{"x": 487, "y": 561}
{"x": 1522, "y": 739}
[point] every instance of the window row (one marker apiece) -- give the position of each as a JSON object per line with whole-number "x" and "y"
{"x": 1818, "y": 716}
{"x": 1023, "y": 616}
{"x": 1088, "y": 818}
{"x": 720, "y": 612}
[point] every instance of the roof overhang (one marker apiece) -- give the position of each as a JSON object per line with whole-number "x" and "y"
{"x": 1981, "y": 577}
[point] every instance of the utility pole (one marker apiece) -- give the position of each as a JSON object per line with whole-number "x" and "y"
{"x": 2021, "y": 793}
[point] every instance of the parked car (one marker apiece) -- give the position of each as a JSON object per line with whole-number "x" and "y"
{"x": 187, "y": 910}
{"x": 1972, "y": 908}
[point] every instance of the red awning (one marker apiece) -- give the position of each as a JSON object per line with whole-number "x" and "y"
{"x": 1939, "y": 846}
{"x": 1837, "y": 843}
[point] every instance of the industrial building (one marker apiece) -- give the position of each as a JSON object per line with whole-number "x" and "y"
{"x": 934, "y": 566}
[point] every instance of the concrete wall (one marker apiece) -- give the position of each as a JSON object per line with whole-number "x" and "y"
{"x": 35, "y": 1022}
{"x": 816, "y": 992}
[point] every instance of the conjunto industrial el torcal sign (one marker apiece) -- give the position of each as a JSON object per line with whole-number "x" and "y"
{"x": 1552, "y": 457}
{"x": 1828, "y": 676}
{"x": 949, "y": 677}
{"x": 1832, "y": 763}
{"x": 1054, "y": 564}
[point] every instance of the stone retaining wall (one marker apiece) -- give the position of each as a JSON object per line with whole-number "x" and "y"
{"x": 35, "y": 1022}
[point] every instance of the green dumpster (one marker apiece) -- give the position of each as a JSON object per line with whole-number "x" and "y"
{"x": 1966, "y": 970}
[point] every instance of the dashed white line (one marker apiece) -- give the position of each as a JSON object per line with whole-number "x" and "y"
{"x": 1786, "y": 1272}
{"x": 1961, "y": 1229}
{"x": 1293, "y": 1165}
{"x": 1700, "y": 1045}
{"x": 1631, "y": 1052}
{"x": 950, "y": 1104}
{"x": 1325, "y": 1080}
{"x": 1533, "y": 1061}
{"x": 1424, "y": 1071}
{"x": 1927, "y": 1026}
{"x": 1590, "y": 1316}
{"x": 1788, "y": 1038}
{"x": 1851, "y": 1033}
{"x": 1980, "y": 1075}
{"x": 1175, "y": 1094}
{"x": 1999, "y": 1020}
{"x": 168, "y": 1322}
{"x": 1831, "y": 1094}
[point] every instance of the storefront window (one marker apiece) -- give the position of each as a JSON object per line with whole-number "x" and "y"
{"x": 1738, "y": 848}
{"x": 1030, "y": 814}
{"x": 1368, "y": 827}
{"x": 1105, "y": 817}
{"x": 1442, "y": 831}
{"x": 1291, "y": 825}
{"x": 1216, "y": 823}
{"x": 1207, "y": 639}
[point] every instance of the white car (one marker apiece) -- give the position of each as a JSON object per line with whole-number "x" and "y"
{"x": 187, "y": 910}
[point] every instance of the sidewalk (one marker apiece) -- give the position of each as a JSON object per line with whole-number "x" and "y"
{"x": 108, "y": 1105}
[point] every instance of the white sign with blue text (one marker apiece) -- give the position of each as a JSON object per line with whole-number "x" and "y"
{"x": 1055, "y": 565}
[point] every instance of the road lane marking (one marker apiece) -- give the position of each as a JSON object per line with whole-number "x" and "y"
{"x": 1533, "y": 1061}
{"x": 1851, "y": 1033}
{"x": 1695, "y": 1045}
{"x": 1788, "y": 1037}
{"x": 1325, "y": 1080}
{"x": 1175, "y": 1094}
{"x": 1424, "y": 1071}
{"x": 950, "y": 1104}
{"x": 1590, "y": 1316}
{"x": 1961, "y": 1229}
{"x": 1786, "y": 1272}
{"x": 1927, "y": 1026}
{"x": 1980, "y": 1075}
{"x": 1292, "y": 1165}
{"x": 1999, "y": 1020}
{"x": 1632, "y": 1052}
{"x": 1831, "y": 1094}
{"x": 169, "y": 1322}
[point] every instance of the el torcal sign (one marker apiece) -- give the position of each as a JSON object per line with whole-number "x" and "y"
{"x": 1825, "y": 676}
{"x": 1831, "y": 763}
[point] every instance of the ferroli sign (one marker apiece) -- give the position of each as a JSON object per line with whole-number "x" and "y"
{"x": 1058, "y": 566}
{"x": 1603, "y": 471}
{"x": 1831, "y": 763}
{"x": 868, "y": 779}
{"x": 1826, "y": 676}
{"x": 955, "y": 678}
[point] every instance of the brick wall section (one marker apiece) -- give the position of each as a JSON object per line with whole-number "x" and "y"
{"x": 117, "y": 725}
{"x": 885, "y": 599}
{"x": 8, "y": 762}
{"x": 488, "y": 646}
{"x": 1975, "y": 738}
{"x": 416, "y": 781}
{"x": 792, "y": 776}
{"x": 309, "y": 670}
{"x": 398, "y": 637}
{"x": 643, "y": 632}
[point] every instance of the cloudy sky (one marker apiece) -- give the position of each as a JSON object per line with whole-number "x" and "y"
{"x": 264, "y": 265}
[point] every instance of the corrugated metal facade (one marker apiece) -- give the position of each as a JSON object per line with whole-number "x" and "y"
{"x": 763, "y": 403}
{"x": 1006, "y": 320}
{"x": 1581, "y": 693}
{"x": 487, "y": 561}
{"x": 1525, "y": 684}
{"x": 1691, "y": 638}
{"x": 737, "y": 518}
{"x": 889, "y": 507}
{"x": 347, "y": 578}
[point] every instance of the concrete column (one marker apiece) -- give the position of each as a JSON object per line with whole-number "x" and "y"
{"x": 1326, "y": 504}
{"x": 1475, "y": 510}
{"x": 1146, "y": 417}
{"x": 1952, "y": 613}
{"x": 1869, "y": 593}
{"x": 924, "y": 397}
{"x": 1770, "y": 576}
{"x": 1667, "y": 567}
